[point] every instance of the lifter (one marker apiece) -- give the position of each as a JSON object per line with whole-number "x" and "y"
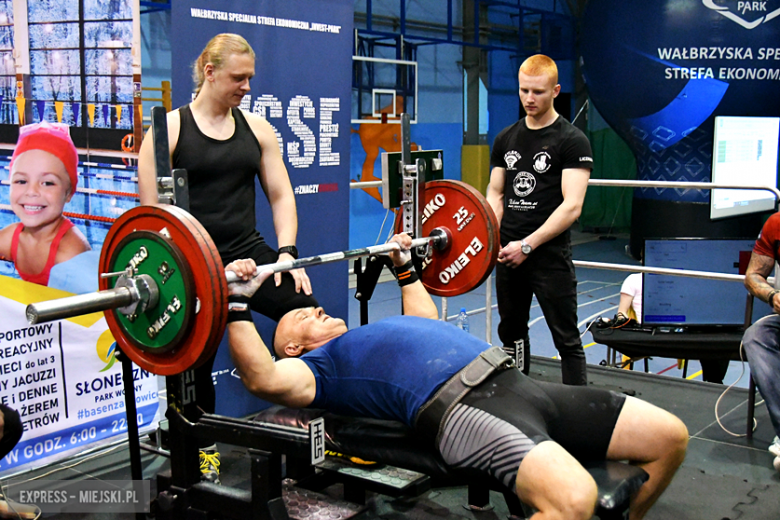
{"x": 409, "y": 368}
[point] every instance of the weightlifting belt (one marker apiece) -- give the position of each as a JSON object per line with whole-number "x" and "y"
{"x": 432, "y": 415}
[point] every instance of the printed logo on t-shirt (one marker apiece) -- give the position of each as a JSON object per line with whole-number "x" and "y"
{"x": 510, "y": 158}
{"x": 523, "y": 184}
{"x": 542, "y": 162}
{"x": 521, "y": 204}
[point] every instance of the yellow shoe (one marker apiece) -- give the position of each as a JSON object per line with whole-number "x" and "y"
{"x": 209, "y": 465}
{"x": 355, "y": 460}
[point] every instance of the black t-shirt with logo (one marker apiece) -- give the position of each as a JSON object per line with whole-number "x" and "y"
{"x": 534, "y": 161}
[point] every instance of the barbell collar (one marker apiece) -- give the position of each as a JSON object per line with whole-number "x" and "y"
{"x": 145, "y": 293}
{"x": 80, "y": 304}
{"x": 437, "y": 240}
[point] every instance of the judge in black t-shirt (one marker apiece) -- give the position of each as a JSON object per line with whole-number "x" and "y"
{"x": 540, "y": 170}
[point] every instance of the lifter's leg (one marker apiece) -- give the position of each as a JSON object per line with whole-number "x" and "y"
{"x": 654, "y": 440}
{"x": 553, "y": 482}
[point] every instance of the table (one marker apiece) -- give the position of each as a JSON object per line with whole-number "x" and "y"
{"x": 681, "y": 345}
{"x": 714, "y": 349}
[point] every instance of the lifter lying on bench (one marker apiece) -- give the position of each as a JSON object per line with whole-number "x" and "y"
{"x": 466, "y": 401}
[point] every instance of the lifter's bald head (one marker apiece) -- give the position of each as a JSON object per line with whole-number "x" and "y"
{"x": 305, "y": 329}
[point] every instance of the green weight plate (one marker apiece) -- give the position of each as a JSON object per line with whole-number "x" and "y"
{"x": 192, "y": 333}
{"x": 161, "y": 327}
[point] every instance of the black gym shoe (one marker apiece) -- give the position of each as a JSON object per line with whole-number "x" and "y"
{"x": 209, "y": 465}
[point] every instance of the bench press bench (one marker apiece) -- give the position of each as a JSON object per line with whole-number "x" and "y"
{"x": 395, "y": 444}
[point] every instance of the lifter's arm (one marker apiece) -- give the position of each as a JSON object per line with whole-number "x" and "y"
{"x": 416, "y": 300}
{"x": 288, "y": 382}
{"x": 758, "y": 270}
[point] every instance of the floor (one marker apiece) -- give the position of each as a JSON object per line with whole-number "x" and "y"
{"x": 723, "y": 477}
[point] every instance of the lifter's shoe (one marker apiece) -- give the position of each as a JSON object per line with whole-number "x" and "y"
{"x": 353, "y": 460}
{"x": 209, "y": 465}
{"x": 774, "y": 448}
{"x": 777, "y": 463}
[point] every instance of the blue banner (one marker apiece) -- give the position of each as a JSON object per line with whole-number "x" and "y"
{"x": 71, "y": 440}
{"x": 302, "y": 87}
{"x": 659, "y": 72}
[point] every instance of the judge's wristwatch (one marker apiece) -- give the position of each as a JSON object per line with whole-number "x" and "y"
{"x": 290, "y": 250}
{"x": 525, "y": 247}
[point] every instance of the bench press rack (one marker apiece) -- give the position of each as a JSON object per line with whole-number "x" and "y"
{"x": 182, "y": 495}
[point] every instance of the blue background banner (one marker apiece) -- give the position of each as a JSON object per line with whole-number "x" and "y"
{"x": 303, "y": 87}
{"x": 65, "y": 441}
{"x": 659, "y": 72}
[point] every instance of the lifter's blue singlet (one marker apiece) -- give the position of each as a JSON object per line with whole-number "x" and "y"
{"x": 394, "y": 366}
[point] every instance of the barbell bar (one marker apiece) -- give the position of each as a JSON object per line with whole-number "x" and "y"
{"x": 164, "y": 288}
{"x": 143, "y": 291}
{"x": 438, "y": 240}
{"x": 79, "y": 304}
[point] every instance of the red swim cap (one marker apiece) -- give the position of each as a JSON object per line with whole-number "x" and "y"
{"x": 53, "y": 138}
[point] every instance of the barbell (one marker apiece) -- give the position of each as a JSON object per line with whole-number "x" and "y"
{"x": 164, "y": 289}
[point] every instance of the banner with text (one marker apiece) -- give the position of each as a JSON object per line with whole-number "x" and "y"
{"x": 659, "y": 72}
{"x": 302, "y": 86}
{"x": 63, "y": 379}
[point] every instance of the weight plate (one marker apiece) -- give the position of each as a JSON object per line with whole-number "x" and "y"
{"x": 197, "y": 336}
{"x": 161, "y": 327}
{"x": 473, "y": 233}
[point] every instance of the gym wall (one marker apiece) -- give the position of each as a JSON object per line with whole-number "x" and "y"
{"x": 659, "y": 73}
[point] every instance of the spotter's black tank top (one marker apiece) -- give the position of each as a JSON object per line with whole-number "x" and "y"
{"x": 222, "y": 183}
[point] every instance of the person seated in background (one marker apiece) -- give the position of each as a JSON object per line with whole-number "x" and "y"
{"x": 762, "y": 339}
{"x": 630, "y": 306}
{"x": 459, "y": 393}
{"x": 630, "y": 309}
{"x": 43, "y": 178}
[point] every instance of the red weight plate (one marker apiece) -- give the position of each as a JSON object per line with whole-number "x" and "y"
{"x": 208, "y": 278}
{"x": 472, "y": 229}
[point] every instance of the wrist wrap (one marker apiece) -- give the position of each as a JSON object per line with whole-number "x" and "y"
{"x": 238, "y": 309}
{"x": 406, "y": 274}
